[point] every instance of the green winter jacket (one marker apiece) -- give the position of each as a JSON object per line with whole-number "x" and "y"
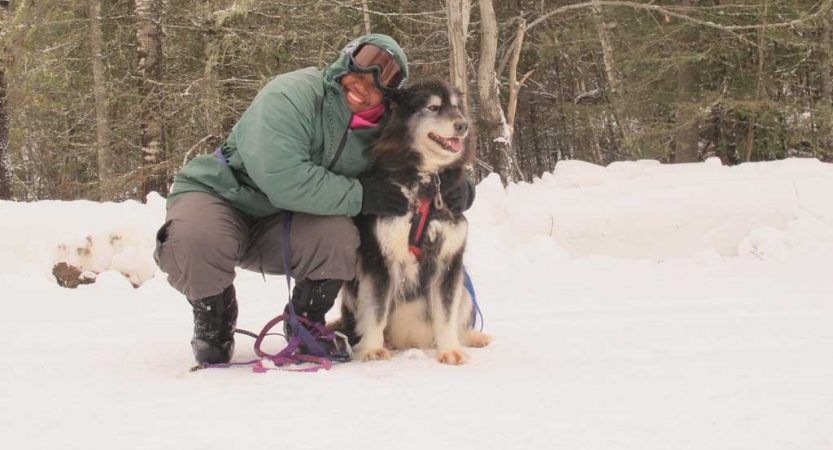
{"x": 292, "y": 149}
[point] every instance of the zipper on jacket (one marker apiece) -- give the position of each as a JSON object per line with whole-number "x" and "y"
{"x": 340, "y": 146}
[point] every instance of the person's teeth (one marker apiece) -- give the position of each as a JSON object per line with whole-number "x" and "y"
{"x": 355, "y": 98}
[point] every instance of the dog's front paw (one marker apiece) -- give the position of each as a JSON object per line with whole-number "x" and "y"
{"x": 376, "y": 354}
{"x": 455, "y": 357}
{"x": 473, "y": 338}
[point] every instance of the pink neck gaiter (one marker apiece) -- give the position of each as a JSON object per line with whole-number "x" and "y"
{"x": 369, "y": 118}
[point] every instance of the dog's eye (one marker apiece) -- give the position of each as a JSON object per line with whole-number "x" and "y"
{"x": 433, "y": 108}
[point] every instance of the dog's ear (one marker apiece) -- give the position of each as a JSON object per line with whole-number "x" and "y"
{"x": 390, "y": 105}
{"x": 397, "y": 97}
{"x": 393, "y": 100}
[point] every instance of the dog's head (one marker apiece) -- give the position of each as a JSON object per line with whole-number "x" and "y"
{"x": 431, "y": 116}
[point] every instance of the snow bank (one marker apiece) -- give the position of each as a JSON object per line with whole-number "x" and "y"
{"x": 645, "y": 209}
{"x": 95, "y": 237}
{"x": 640, "y": 209}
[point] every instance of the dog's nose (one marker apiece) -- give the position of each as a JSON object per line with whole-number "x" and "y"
{"x": 461, "y": 127}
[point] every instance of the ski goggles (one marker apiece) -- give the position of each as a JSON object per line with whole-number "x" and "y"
{"x": 369, "y": 58}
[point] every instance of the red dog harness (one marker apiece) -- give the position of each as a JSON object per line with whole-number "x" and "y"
{"x": 418, "y": 223}
{"x": 420, "y": 220}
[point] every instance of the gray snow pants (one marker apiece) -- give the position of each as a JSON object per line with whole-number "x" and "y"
{"x": 204, "y": 238}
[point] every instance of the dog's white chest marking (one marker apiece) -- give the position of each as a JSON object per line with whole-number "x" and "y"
{"x": 393, "y": 234}
{"x": 454, "y": 235}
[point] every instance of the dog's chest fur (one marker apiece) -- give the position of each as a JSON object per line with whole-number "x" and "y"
{"x": 444, "y": 237}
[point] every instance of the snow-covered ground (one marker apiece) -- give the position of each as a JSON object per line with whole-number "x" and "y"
{"x": 636, "y": 306}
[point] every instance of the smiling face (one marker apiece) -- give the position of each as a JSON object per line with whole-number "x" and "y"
{"x": 360, "y": 91}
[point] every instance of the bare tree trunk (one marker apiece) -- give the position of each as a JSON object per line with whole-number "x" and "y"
{"x": 149, "y": 49}
{"x": 514, "y": 85}
{"x": 493, "y": 122}
{"x": 827, "y": 61}
{"x": 211, "y": 93}
{"x": 106, "y": 181}
{"x": 514, "y": 91}
{"x": 541, "y": 163}
{"x": 607, "y": 48}
{"x": 826, "y": 114}
{"x": 688, "y": 125}
{"x": 750, "y": 134}
{"x": 5, "y": 157}
{"x": 459, "y": 12}
{"x": 613, "y": 80}
{"x": 366, "y": 11}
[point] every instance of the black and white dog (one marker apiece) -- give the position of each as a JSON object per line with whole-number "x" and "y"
{"x": 408, "y": 291}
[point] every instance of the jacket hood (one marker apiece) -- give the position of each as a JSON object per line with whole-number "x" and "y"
{"x": 340, "y": 67}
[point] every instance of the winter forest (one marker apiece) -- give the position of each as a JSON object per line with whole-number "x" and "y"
{"x": 107, "y": 99}
{"x": 650, "y": 243}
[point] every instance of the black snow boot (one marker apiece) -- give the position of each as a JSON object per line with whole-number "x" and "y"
{"x": 312, "y": 299}
{"x": 214, "y": 321}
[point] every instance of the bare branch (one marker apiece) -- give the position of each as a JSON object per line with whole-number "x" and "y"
{"x": 433, "y": 15}
{"x": 188, "y": 153}
{"x": 524, "y": 78}
{"x": 669, "y": 12}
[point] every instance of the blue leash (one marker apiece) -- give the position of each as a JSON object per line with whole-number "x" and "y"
{"x": 476, "y": 311}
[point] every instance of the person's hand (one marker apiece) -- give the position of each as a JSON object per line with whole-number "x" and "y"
{"x": 382, "y": 197}
{"x": 457, "y": 191}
